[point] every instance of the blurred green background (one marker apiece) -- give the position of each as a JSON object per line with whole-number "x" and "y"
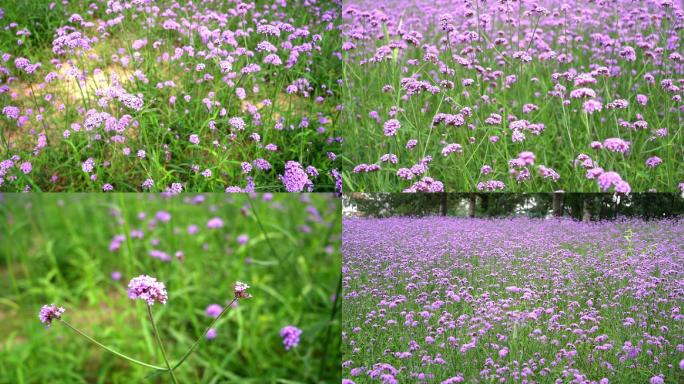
{"x": 62, "y": 249}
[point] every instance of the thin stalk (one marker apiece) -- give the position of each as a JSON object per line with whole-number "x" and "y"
{"x": 263, "y": 231}
{"x": 121, "y": 355}
{"x": 161, "y": 345}
{"x": 192, "y": 348}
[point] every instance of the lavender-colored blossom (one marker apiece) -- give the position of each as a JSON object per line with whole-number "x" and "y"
{"x": 240, "y": 290}
{"x": 148, "y": 289}
{"x": 213, "y": 310}
{"x": 214, "y": 223}
{"x": 290, "y": 335}
{"x": 49, "y": 313}
{"x": 295, "y": 178}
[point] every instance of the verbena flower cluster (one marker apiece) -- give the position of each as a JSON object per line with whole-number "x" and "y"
{"x": 290, "y": 335}
{"x": 438, "y": 91}
{"x": 449, "y": 300}
{"x": 147, "y": 288}
{"x": 49, "y": 313}
{"x": 173, "y": 96}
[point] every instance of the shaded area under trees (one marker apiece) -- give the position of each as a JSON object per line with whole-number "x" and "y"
{"x": 579, "y": 206}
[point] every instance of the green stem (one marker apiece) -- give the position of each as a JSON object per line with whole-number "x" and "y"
{"x": 121, "y": 355}
{"x": 161, "y": 345}
{"x": 263, "y": 231}
{"x": 192, "y": 348}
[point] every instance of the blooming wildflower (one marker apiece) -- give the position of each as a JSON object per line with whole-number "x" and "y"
{"x": 194, "y": 139}
{"x": 11, "y": 112}
{"x": 451, "y": 148}
{"x": 616, "y": 145}
{"x": 116, "y": 275}
{"x": 290, "y": 335}
{"x": 295, "y": 178}
{"x": 453, "y": 380}
{"x": 237, "y": 123}
{"x": 49, "y": 313}
{"x": 242, "y": 239}
{"x": 26, "y": 167}
{"x": 88, "y": 165}
{"x": 240, "y": 290}
{"x": 215, "y": 223}
{"x": 211, "y": 334}
{"x": 148, "y": 289}
{"x": 653, "y": 161}
{"x": 147, "y": 184}
{"x": 491, "y": 185}
{"x": 246, "y": 167}
{"x": 548, "y": 173}
{"x": 592, "y": 105}
{"x": 391, "y": 127}
{"x": 213, "y": 310}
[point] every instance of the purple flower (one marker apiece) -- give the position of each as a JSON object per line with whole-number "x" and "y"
{"x": 211, "y": 334}
{"x": 11, "y": 112}
{"x": 49, "y": 313}
{"x": 163, "y": 216}
{"x": 616, "y": 145}
{"x": 608, "y": 179}
{"x": 240, "y": 290}
{"x": 290, "y": 335}
{"x": 592, "y": 105}
{"x": 147, "y": 288}
{"x": 213, "y": 310}
{"x": 295, "y": 178}
{"x": 391, "y": 127}
{"x": 653, "y": 161}
{"x": 215, "y": 223}
{"x": 26, "y": 167}
{"x": 451, "y": 148}
{"x": 453, "y": 380}
{"x": 116, "y": 275}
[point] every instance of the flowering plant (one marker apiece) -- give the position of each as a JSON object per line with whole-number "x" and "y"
{"x": 150, "y": 290}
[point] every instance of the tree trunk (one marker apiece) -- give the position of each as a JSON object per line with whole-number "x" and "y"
{"x": 586, "y": 210}
{"x": 472, "y": 200}
{"x": 557, "y": 204}
{"x": 444, "y": 206}
{"x": 484, "y": 203}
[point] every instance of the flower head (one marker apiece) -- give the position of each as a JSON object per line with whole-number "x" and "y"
{"x": 240, "y": 290}
{"x": 147, "y": 288}
{"x": 213, "y": 310}
{"x": 215, "y": 223}
{"x": 290, "y": 335}
{"x": 295, "y": 178}
{"x": 49, "y": 313}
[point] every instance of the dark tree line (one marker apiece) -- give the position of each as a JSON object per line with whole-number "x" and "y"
{"x": 580, "y": 206}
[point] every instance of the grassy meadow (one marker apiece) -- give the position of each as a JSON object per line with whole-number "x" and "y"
{"x": 80, "y": 250}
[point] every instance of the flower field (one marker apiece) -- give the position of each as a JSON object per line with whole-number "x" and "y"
{"x": 448, "y": 300}
{"x": 534, "y": 96}
{"x": 240, "y": 288}
{"x": 141, "y": 95}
